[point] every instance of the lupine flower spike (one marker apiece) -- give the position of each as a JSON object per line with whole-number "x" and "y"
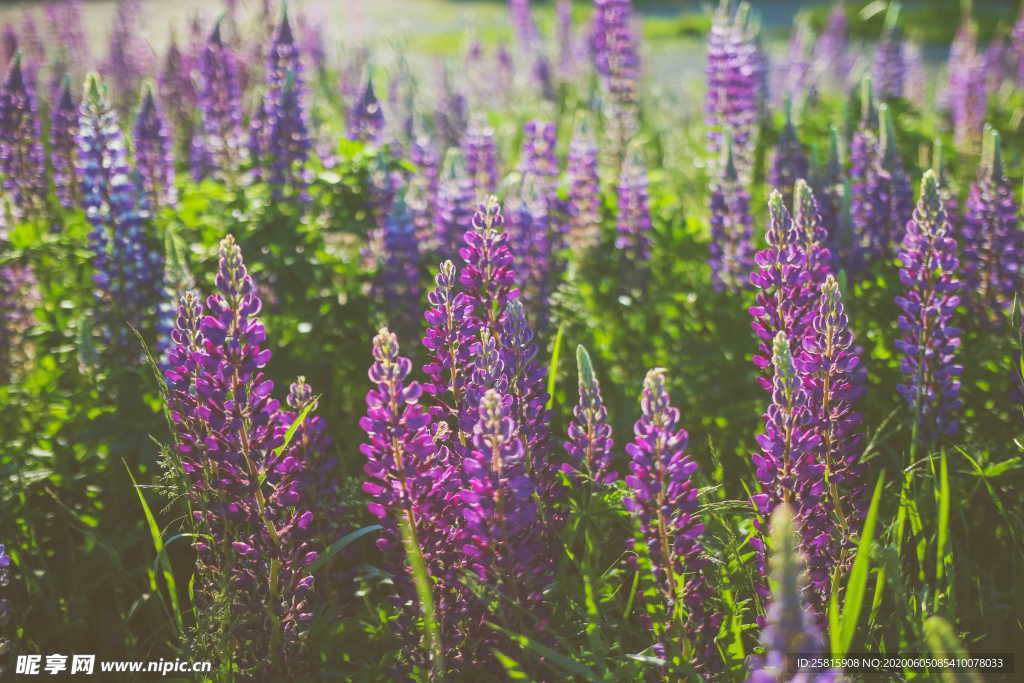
{"x": 153, "y": 155}
{"x": 63, "y": 144}
{"x": 584, "y": 188}
{"x": 590, "y": 436}
{"x": 22, "y": 162}
{"x": 790, "y": 162}
{"x": 732, "y": 227}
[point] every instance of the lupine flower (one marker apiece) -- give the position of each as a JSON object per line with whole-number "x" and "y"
{"x": 536, "y": 242}
{"x": 177, "y": 88}
{"x": 220, "y": 143}
{"x": 590, "y": 442}
{"x": 64, "y": 19}
{"x": 259, "y": 137}
{"x": 833, "y": 200}
{"x": 19, "y": 295}
{"x": 127, "y": 269}
{"x": 423, "y": 189}
{"x": 505, "y": 71}
{"x": 284, "y": 61}
{"x": 311, "y": 30}
{"x": 455, "y": 201}
{"x": 617, "y": 60}
{"x": 401, "y": 124}
{"x": 787, "y": 468}
{"x": 584, "y": 205}
{"x": 796, "y": 71}
{"x": 967, "y": 89}
{"x": 563, "y": 34}
{"x": 366, "y": 118}
{"x": 351, "y": 81}
{"x": 929, "y": 343}
{"x": 488, "y": 278}
{"x": 790, "y": 629}
{"x": 543, "y": 78}
{"x": 831, "y": 51}
{"x": 22, "y": 162}
{"x": 397, "y": 281}
{"x": 992, "y": 238}
{"x": 450, "y": 330}
{"x": 889, "y": 69}
{"x": 663, "y": 500}
{"x": 410, "y": 480}
{"x": 735, "y": 91}
{"x": 153, "y": 155}
{"x": 790, "y": 162}
{"x": 451, "y": 116}
{"x": 247, "y": 494}
{"x": 288, "y": 145}
{"x": 521, "y": 16}
{"x": 915, "y": 87}
{"x": 538, "y": 157}
{"x": 807, "y": 222}
{"x": 633, "y": 224}
{"x": 834, "y": 380}
{"x": 480, "y": 151}
{"x": 1017, "y": 38}
{"x": 32, "y": 48}
{"x": 732, "y": 228}
{"x": 129, "y": 59}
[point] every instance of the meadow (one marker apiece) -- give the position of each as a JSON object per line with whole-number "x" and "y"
{"x": 508, "y": 341}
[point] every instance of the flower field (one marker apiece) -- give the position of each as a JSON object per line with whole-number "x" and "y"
{"x": 533, "y": 351}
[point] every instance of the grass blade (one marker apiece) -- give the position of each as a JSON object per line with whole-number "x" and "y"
{"x": 556, "y": 352}
{"x": 853, "y": 598}
{"x": 565, "y": 663}
{"x": 341, "y": 543}
{"x": 421, "y": 579}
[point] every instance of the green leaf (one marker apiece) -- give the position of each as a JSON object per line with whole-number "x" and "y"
{"x": 944, "y": 645}
{"x": 512, "y": 667}
{"x": 421, "y": 579}
{"x": 341, "y": 543}
{"x": 565, "y": 663}
{"x": 556, "y": 352}
{"x": 853, "y": 598}
{"x": 296, "y": 423}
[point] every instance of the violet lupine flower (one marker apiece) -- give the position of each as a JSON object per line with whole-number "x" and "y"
{"x": 536, "y": 241}
{"x": 735, "y": 89}
{"x": 450, "y": 331}
{"x": 543, "y": 78}
{"x": 584, "y": 205}
{"x": 64, "y": 18}
{"x": 538, "y": 157}
{"x": 63, "y": 144}
{"x": 366, "y": 118}
{"x": 248, "y": 496}
{"x": 790, "y": 161}
{"x": 503, "y": 536}
{"x": 284, "y": 60}
{"x": 288, "y": 146}
{"x": 929, "y": 342}
{"x": 489, "y": 277}
{"x": 787, "y": 468}
{"x": 813, "y": 236}
{"x": 589, "y": 444}
{"x": 218, "y": 148}
{"x": 19, "y": 295}
{"x": 915, "y": 87}
{"x": 834, "y": 380}
{"x": 521, "y": 16}
{"x": 22, "y": 162}
{"x": 397, "y": 281}
{"x": 480, "y": 151}
{"x": 790, "y": 629}
{"x": 32, "y": 48}
{"x": 410, "y": 480}
{"x": 992, "y": 239}
{"x": 889, "y": 69}
{"x": 617, "y": 60}
{"x": 633, "y": 221}
{"x": 732, "y": 228}
{"x": 832, "y": 50}
{"x": 127, "y": 268}
{"x": 967, "y": 88}
{"x": 563, "y": 34}
{"x": 422, "y": 192}
{"x": 177, "y": 88}
{"x": 455, "y": 201}
{"x": 663, "y": 500}
{"x": 259, "y": 137}
{"x": 311, "y": 30}
{"x": 154, "y": 157}
{"x": 129, "y": 59}
{"x": 796, "y": 71}
{"x": 833, "y": 193}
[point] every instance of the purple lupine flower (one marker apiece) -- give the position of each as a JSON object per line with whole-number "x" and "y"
{"x": 154, "y": 157}
{"x": 489, "y": 277}
{"x": 1017, "y": 41}
{"x": 219, "y": 146}
{"x": 790, "y": 161}
{"x": 633, "y": 219}
{"x": 504, "y": 72}
{"x": 663, "y": 500}
{"x": 450, "y": 330}
{"x": 811, "y": 231}
{"x": 833, "y": 198}
{"x": 284, "y": 60}
{"x": 992, "y": 238}
{"x": 589, "y": 444}
{"x": 288, "y": 146}
{"x": 178, "y": 92}
{"x": 32, "y": 48}
{"x": 584, "y": 205}
{"x": 422, "y": 192}
{"x": 617, "y": 60}
{"x": 397, "y": 281}
{"x": 127, "y": 268}
{"x": 787, "y": 468}
{"x": 834, "y": 380}
{"x": 538, "y": 157}
{"x": 129, "y": 59}
{"x": 832, "y": 50}
{"x": 929, "y": 342}
{"x": 22, "y": 162}
{"x": 247, "y": 496}
{"x": 63, "y": 143}
{"x": 796, "y": 71}
{"x": 536, "y": 241}
{"x": 259, "y": 137}
{"x": 410, "y": 480}
{"x": 64, "y": 20}
{"x": 366, "y": 118}
{"x": 314, "y": 46}
{"x": 503, "y": 535}
{"x": 790, "y": 629}
{"x": 915, "y": 86}
{"x": 19, "y": 295}
{"x": 455, "y": 201}
{"x": 563, "y": 34}
{"x": 889, "y": 69}
{"x": 542, "y": 77}
{"x": 735, "y": 88}
{"x": 732, "y": 228}
{"x": 351, "y": 78}
{"x": 521, "y": 17}
{"x": 451, "y": 115}
{"x": 480, "y": 151}
{"x": 967, "y": 88}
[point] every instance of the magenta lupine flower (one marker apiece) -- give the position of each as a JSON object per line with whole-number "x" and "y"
{"x": 787, "y": 467}
{"x": 19, "y": 295}
{"x": 22, "y": 162}
{"x": 589, "y": 444}
{"x": 790, "y": 161}
{"x": 790, "y": 629}
{"x": 129, "y": 59}
{"x": 992, "y": 239}
{"x": 889, "y": 69}
{"x": 410, "y": 481}
{"x": 663, "y": 500}
{"x": 366, "y": 118}
{"x": 127, "y": 269}
{"x": 832, "y": 50}
{"x": 929, "y": 343}
{"x": 633, "y": 220}
{"x": 732, "y": 228}
{"x": 584, "y": 205}
{"x": 154, "y": 157}
{"x": 218, "y": 148}
{"x": 247, "y": 497}
{"x": 735, "y": 88}
{"x": 521, "y": 17}
{"x": 450, "y": 331}
{"x": 480, "y": 151}
{"x": 489, "y": 277}
{"x": 455, "y": 201}
{"x": 617, "y": 60}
